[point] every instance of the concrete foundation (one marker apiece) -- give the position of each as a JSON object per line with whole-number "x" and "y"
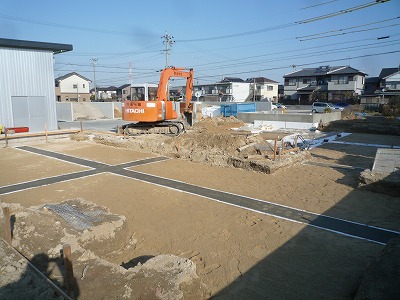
{"x": 250, "y": 117}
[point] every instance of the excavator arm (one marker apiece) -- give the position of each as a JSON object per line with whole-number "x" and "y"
{"x": 166, "y": 74}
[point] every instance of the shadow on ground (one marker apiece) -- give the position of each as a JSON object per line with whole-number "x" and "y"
{"x": 302, "y": 268}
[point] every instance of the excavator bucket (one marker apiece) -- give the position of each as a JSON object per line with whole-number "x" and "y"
{"x": 186, "y": 113}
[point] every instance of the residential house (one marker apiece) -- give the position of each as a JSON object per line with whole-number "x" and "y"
{"x": 389, "y": 83}
{"x": 72, "y": 87}
{"x": 369, "y": 97}
{"x": 383, "y": 89}
{"x": 105, "y": 93}
{"x": 233, "y": 89}
{"x": 123, "y": 92}
{"x": 230, "y": 89}
{"x": 27, "y": 84}
{"x": 262, "y": 88}
{"x": 325, "y": 83}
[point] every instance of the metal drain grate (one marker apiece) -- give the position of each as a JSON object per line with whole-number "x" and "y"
{"x": 77, "y": 219}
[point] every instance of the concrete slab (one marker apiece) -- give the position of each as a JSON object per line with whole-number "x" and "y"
{"x": 386, "y": 160}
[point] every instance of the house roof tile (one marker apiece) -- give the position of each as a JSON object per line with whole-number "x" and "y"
{"x": 232, "y": 79}
{"x": 387, "y": 72}
{"x": 124, "y": 86}
{"x": 260, "y": 80}
{"x": 58, "y": 79}
{"x": 323, "y": 70}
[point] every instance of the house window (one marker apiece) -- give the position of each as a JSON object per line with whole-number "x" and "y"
{"x": 83, "y": 85}
{"x": 343, "y": 80}
{"x": 290, "y": 81}
{"x": 75, "y": 86}
{"x": 270, "y": 88}
{"x": 306, "y": 80}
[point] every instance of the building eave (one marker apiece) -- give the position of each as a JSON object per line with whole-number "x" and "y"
{"x": 21, "y": 44}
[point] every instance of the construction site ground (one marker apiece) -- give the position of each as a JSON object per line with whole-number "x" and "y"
{"x": 150, "y": 240}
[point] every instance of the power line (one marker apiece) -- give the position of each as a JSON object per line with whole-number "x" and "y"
{"x": 64, "y": 26}
{"x": 306, "y": 55}
{"x": 208, "y": 77}
{"x": 102, "y": 66}
{"x": 319, "y": 4}
{"x": 296, "y": 51}
{"x": 342, "y": 11}
{"x": 344, "y": 33}
{"x": 310, "y": 20}
{"x": 343, "y": 29}
{"x": 307, "y": 64}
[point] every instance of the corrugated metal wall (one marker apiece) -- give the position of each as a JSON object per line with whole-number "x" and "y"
{"x": 27, "y": 73}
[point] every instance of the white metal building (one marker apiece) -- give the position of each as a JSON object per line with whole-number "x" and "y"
{"x": 27, "y": 92}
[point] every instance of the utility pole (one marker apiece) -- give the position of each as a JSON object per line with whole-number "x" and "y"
{"x": 130, "y": 80}
{"x": 168, "y": 41}
{"x": 94, "y": 62}
{"x": 254, "y": 90}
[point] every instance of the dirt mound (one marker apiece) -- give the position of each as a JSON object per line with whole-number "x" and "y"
{"x": 93, "y": 234}
{"x": 217, "y": 125}
{"x": 86, "y": 111}
{"x": 384, "y": 183}
{"x": 211, "y": 141}
{"x": 13, "y": 268}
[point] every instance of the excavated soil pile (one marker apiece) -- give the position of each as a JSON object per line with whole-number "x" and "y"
{"x": 212, "y": 141}
{"x": 384, "y": 183}
{"x": 94, "y": 234}
{"x": 87, "y": 111}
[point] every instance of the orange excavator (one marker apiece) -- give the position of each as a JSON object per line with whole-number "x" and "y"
{"x": 159, "y": 115}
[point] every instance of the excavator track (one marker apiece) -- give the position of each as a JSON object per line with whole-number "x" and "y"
{"x": 168, "y": 128}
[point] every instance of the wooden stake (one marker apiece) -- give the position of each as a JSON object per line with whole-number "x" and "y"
{"x": 7, "y": 225}
{"x": 69, "y": 272}
{"x": 45, "y": 131}
{"x": 5, "y": 135}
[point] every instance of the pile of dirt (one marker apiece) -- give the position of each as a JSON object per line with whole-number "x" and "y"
{"x": 211, "y": 141}
{"x": 93, "y": 234}
{"x": 117, "y": 112}
{"x": 383, "y": 183}
{"x": 86, "y": 111}
{"x": 18, "y": 280}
